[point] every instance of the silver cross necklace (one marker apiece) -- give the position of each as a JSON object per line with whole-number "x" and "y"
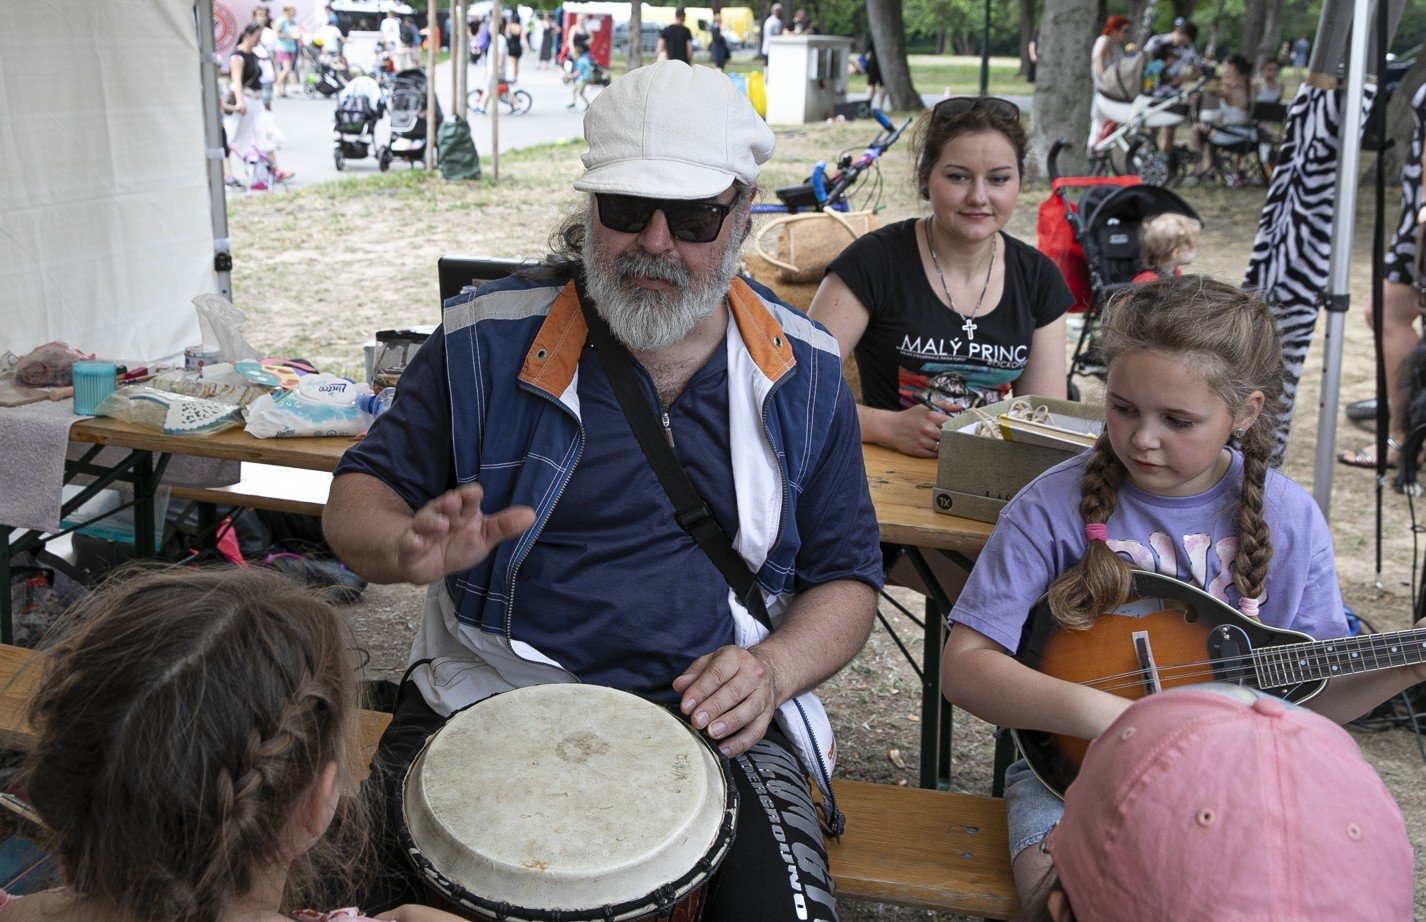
{"x": 969, "y": 326}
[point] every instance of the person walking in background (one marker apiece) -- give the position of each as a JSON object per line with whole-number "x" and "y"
{"x": 875, "y": 88}
{"x": 548, "y": 33}
{"x": 514, "y": 47}
{"x": 772, "y": 28}
{"x": 675, "y": 41}
{"x": 289, "y": 33}
{"x": 799, "y": 22}
{"x": 265, "y": 50}
{"x": 1032, "y": 52}
{"x": 717, "y": 43}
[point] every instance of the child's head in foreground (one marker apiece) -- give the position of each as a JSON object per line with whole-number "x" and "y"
{"x": 197, "y": 729}
{"x": 1217, "y": 802}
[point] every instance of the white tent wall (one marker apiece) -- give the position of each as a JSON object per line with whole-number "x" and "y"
{"x": 106, "y": 220}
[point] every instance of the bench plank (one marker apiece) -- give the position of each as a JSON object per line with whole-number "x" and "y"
{"x": 923, "y": 849}
{"x": 906, "y": 846}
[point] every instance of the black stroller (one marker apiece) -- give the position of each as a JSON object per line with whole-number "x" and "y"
{"x": 328, "y": 78}
{"x": 407, "y": 108}
{"x": 359, "y": 107}
{"x": 1099, "y": 256}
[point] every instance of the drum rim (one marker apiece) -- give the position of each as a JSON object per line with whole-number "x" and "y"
{"x": 664, "y": 897}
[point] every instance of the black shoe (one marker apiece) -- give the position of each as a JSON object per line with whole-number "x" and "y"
{"x": 1362, "y": 410}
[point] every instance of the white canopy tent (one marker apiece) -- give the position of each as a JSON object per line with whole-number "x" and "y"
{"x": 111, "y": 202}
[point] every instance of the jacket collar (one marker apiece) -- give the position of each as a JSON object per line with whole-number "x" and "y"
{"x": 553, "y": 357}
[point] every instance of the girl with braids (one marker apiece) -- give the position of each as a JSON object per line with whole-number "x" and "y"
{"x": 1179, "y": 483}
{"x": 197, "y": 733}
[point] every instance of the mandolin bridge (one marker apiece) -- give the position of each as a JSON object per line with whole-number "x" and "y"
{"x": 1148, "y": 669}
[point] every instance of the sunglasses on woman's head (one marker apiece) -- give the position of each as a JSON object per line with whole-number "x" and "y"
{"x": 688, "y": 222}
{"x": 960, "y": 105}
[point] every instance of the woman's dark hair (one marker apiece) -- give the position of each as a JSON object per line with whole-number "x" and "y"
{"x": 250, "y": 29}
{"x": 182, "y": 720}
{"x": 1242, "y": 64}
{"x": 951, "y": 118}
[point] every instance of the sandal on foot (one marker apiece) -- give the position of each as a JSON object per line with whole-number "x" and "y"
{"x": 1366, "y": 457}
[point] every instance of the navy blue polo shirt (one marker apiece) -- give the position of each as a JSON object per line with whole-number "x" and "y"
{"x": 613, "y": 589}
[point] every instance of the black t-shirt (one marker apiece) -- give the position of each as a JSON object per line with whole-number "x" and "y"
{"x": 252, "y": 77}
{"x": 914, "y": 345}
{"x": 675, "y": 42}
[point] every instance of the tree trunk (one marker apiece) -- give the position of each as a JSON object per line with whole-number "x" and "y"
{"x": 1062, "y": 92}
{"x": 1141, "y": 28}
{"x": 1027, "y": 29}
{"x": 1272, "y": 32}
{"x": 1254, "y": 17}
{"x": 943, "y": 41}
{"x": 636, "y": 34}
{"x": 889, "y": 34}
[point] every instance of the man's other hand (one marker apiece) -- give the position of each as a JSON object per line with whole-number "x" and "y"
{"x": 731, "y": 694}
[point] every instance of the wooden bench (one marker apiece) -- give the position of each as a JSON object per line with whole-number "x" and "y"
{"x": 907, "y": 846}
{"x": 267, "y": 486}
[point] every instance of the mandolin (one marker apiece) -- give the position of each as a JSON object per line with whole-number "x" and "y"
{"x": 1170, "y": 633}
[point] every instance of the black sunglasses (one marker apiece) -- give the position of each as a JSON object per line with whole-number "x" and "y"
{"x": 960, "y": 105}
{"x": 689, "y": 222}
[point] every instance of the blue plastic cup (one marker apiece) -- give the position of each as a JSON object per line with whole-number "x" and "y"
{"x": 93, "y": 381}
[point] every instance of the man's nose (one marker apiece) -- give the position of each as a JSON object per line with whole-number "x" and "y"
{"x": 655, "y": 237}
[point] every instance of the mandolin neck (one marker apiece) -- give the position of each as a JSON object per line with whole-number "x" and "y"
{"x": 1291, "y": 664}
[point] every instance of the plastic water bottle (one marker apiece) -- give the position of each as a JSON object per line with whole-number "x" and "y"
{"x": 377, "y": 404}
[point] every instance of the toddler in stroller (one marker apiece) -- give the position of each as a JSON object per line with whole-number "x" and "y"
{"x": 407, "y": 108}
{"x": 1095, "y": 243}
{"x": 1125, "y": 119}
{"x": 359, "y": 107}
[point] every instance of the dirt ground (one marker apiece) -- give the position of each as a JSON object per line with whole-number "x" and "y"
{"x": 319, "y": 271}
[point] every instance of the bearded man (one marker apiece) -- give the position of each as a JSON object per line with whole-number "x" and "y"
{"x": 507, "y": 476}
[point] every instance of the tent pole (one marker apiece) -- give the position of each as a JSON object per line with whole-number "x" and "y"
{"x": 213, "y": 141}
{"x": 1343, "y": 220}
{"x": 492, "y": 95}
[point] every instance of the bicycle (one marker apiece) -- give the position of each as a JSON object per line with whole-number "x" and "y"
{"x": 517, "y": 101}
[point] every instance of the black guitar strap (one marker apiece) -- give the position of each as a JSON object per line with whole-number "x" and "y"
{"x": 690, "y": 509}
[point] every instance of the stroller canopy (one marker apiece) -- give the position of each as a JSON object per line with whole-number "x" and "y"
{"x": 1103, "y": 205}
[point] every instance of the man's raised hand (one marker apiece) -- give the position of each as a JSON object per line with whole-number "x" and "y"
{"x": 450, "y": 534}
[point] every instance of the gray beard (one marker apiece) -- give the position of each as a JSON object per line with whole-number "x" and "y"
{"x": 645, "y": 320}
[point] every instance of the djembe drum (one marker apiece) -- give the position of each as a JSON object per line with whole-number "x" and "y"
{"x": 569, "y": 802}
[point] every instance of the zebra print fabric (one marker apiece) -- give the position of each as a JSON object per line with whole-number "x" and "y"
{"x": 1401, "y": 254}
{"x": 1292, "y": 251}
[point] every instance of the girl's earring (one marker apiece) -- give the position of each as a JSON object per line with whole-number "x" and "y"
{"x": 1239, "y": 433}
{"x": 925, "y": 192}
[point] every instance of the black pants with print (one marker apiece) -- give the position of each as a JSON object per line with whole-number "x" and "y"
{"x": 776, "y": 869}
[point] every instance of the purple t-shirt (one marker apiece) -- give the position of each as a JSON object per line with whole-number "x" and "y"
{"x": 1193, "y": 538}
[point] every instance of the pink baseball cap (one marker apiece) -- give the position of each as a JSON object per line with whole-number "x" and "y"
{"x": 1218, "y": 803}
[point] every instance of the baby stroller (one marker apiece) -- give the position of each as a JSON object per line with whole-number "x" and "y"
{"x": 359, "y": 107}
{"x": 407, "y": 108}
{"x": 1124, "y": 145}
{"x": 1094, "y": 242}
{"x": 328, "y": 79}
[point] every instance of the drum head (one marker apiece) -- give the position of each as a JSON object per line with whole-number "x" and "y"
{"x": 562, "y": 798}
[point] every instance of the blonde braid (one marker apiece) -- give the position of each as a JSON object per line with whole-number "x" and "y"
{"x": 1099, "y": 582}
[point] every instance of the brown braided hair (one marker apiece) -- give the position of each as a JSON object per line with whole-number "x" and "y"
{"x": 182, "y": 720}
{"x": 1230, "y": 335}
